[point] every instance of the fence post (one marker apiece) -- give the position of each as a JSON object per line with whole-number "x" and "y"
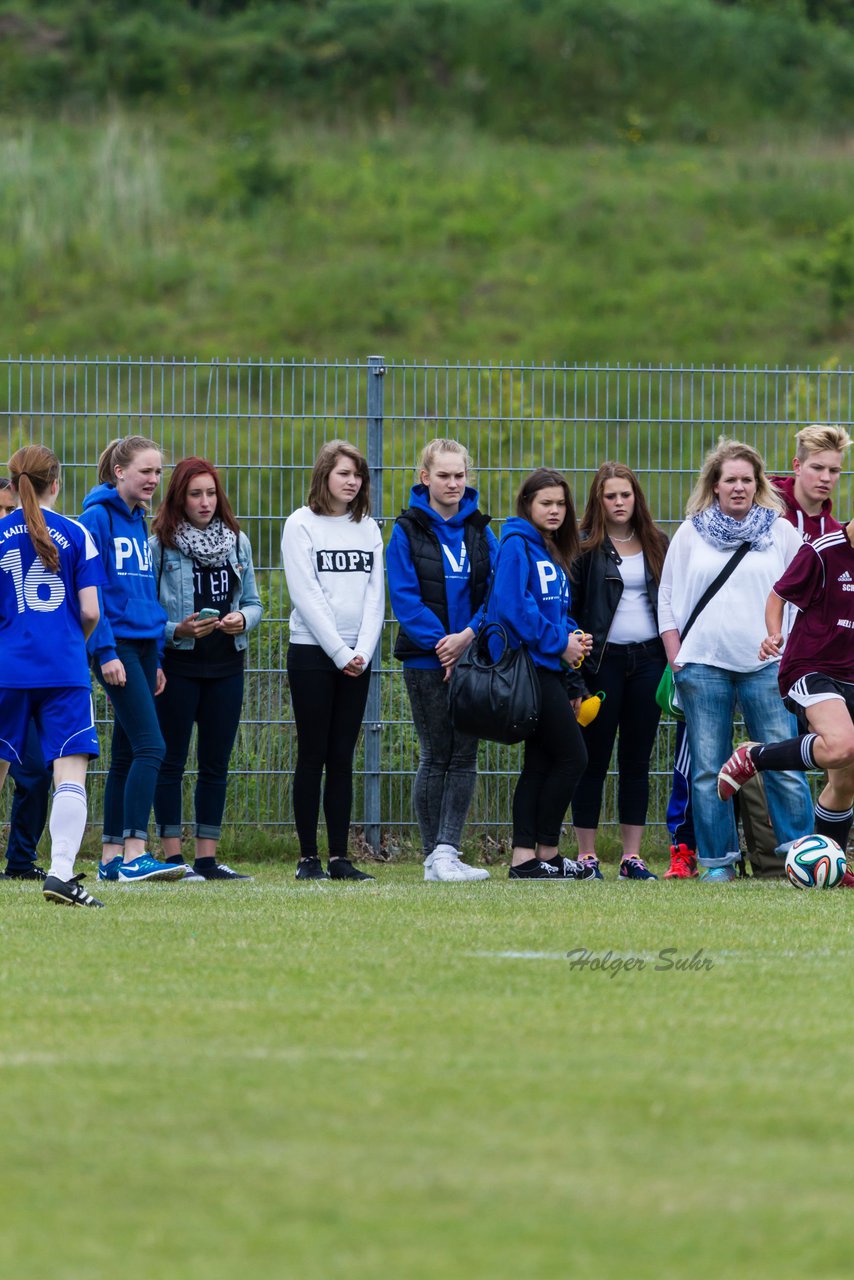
{"x": 373, "y": 711}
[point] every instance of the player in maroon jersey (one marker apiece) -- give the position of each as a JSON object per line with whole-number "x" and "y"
{"x": 816, "y": 679}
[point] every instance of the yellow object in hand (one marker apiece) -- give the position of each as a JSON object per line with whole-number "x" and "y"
{"x": 589, "y": 708}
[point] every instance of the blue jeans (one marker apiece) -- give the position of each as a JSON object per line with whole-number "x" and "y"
{"x": 29, "y": 805}
{"x": 138, "y": 747}
{"x": 708, "y": 696}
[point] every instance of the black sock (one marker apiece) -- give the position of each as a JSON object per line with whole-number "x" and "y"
{"x": 203, "y": 863}
{"x": 176, "y": 857}
{"x": 829, "y": 822}
{"x": 794, "y": 753}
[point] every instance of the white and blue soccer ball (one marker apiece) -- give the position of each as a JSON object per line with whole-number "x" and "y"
{"x": 815, "y": 862}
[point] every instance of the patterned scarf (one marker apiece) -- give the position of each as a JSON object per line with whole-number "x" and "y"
{"x": 727, "y": 533}
{"x": 208, "y": 547}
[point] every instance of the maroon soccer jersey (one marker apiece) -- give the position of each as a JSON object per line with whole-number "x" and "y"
{"x": 820, "y": 582}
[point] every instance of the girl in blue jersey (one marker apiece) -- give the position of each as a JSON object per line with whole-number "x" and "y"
{"x": 50, "y": 572}
{"x": 439, "y": 561}
{"x": 126, "y": 647}
{"x": 530, "y": 598}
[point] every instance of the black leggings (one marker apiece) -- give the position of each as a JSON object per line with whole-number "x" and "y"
{"x": 628, "y": 676}
{"x": 555, "y": 759}
{"x": 328, "y": 711}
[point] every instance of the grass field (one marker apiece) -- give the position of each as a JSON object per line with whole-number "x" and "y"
{"x": 413, "y": 1080}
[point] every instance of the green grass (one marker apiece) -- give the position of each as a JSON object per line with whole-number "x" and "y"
{"x": 411, "y": 1080}
{"x": 192, "y": 235}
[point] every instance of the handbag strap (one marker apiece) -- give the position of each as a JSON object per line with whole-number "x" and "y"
{"x": 713, "y": 588}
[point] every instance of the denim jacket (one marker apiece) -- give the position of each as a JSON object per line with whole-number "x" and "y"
{"x": 173, "y": 573}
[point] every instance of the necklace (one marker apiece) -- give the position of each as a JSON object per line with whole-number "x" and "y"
{"x": 614, "y": 537}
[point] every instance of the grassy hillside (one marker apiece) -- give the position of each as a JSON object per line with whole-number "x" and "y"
{"x": 162, "y": 233}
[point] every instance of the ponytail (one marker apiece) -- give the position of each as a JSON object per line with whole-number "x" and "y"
{"x": 33, "y": 470}
{"x": 119, "y": 453}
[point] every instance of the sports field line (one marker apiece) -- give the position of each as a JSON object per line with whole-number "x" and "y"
{"x": 287, "y": 1053}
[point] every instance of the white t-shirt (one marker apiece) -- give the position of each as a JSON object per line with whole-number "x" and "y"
{"x": 334, "y": 571}
{"x": 730, "y": 629}
{"x": 634, "y": 619}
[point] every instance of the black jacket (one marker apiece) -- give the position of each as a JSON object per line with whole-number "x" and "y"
{"x": 596, "y": 591}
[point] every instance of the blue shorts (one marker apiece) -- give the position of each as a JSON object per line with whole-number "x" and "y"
{"x": 65, "y": 720}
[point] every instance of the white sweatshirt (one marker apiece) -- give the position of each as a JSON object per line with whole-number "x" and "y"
{"x": 334, "y": 571}
{"x": 730, "y": 629}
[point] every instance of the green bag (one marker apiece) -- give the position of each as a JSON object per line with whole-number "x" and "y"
{"x": 666, "y": 695}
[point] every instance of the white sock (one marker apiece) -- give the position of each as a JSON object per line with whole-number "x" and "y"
{"x": 67, "y": 824}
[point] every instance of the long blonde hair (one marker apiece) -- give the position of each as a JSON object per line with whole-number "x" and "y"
{"x": 703, "y": 494}
{"x": 33, "y": 470}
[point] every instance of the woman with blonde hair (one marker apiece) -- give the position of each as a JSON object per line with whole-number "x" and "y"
{"x": 720, "y": 567}
{"x": 50, "y": 572}
{"x": 126, "y": 647}
{"x": 333, "y": 557}
{"x": 439, "y": 560}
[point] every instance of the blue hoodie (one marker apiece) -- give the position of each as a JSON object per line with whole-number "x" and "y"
{"x": 530, "y": 596}
{"x": 130, "y": 609}
{"x": 417, "y": 620}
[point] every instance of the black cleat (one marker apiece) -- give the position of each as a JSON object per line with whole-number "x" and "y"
{"x": 30, "y": 873}
{"x": 69, "y": 893}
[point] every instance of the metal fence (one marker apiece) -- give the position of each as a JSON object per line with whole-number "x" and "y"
{"x": 262, "y": 423}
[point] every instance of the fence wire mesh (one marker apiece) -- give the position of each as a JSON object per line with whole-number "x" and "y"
{"x": 262, "y": 423}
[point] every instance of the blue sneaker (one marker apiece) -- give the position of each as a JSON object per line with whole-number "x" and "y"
{"x": 590, "y": 868}
{"x": 147, "y": 868}
{"x": 635, "y": 869}
{"x": 110, "y": 870}
{"x": 719, "y": 875}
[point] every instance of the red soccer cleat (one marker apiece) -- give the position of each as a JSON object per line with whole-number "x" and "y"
{"x": 737, "y": 770}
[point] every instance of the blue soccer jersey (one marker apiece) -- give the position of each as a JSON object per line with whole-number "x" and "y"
{"x": 41, "y": 640}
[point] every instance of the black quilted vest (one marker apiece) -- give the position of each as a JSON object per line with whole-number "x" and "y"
{"x": 429, "y": 568}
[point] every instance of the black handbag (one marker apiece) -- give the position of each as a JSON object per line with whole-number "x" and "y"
{"x": 498, "y": 699}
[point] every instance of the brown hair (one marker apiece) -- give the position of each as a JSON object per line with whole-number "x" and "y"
{"x": 120, "y": 453}
{"x": 703, "y": 494}
{"x": 33, "y": 470}
{"x": 564, "y": 541}
{"x": 171, "y": 511}
{"x": 652, "y": 540}
{"x": 318, "y": 493}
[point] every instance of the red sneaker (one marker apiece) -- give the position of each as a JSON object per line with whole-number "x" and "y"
{"x": 683, "y": 863}
{"x": 847, "y": 881}
{"x": 737, "y": 770}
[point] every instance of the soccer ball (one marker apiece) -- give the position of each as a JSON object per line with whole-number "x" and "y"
{"x": 815, "y": 862}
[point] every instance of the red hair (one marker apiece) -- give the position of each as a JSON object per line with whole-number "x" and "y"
{"x": 171, "y": 511}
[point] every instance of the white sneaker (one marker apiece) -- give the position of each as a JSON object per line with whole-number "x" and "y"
{"x": 445, "y": 864}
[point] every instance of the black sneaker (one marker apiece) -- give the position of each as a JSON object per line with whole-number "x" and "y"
{"x": 219, "y": 871}
{"x": 343, "y": 869}
{"x": 310, "y": 869}
{"x": 572, "y": 870}
{"x": 29, "y": 873}
{"x": 69, "y": 893}
{"x": 534, "y": 869}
